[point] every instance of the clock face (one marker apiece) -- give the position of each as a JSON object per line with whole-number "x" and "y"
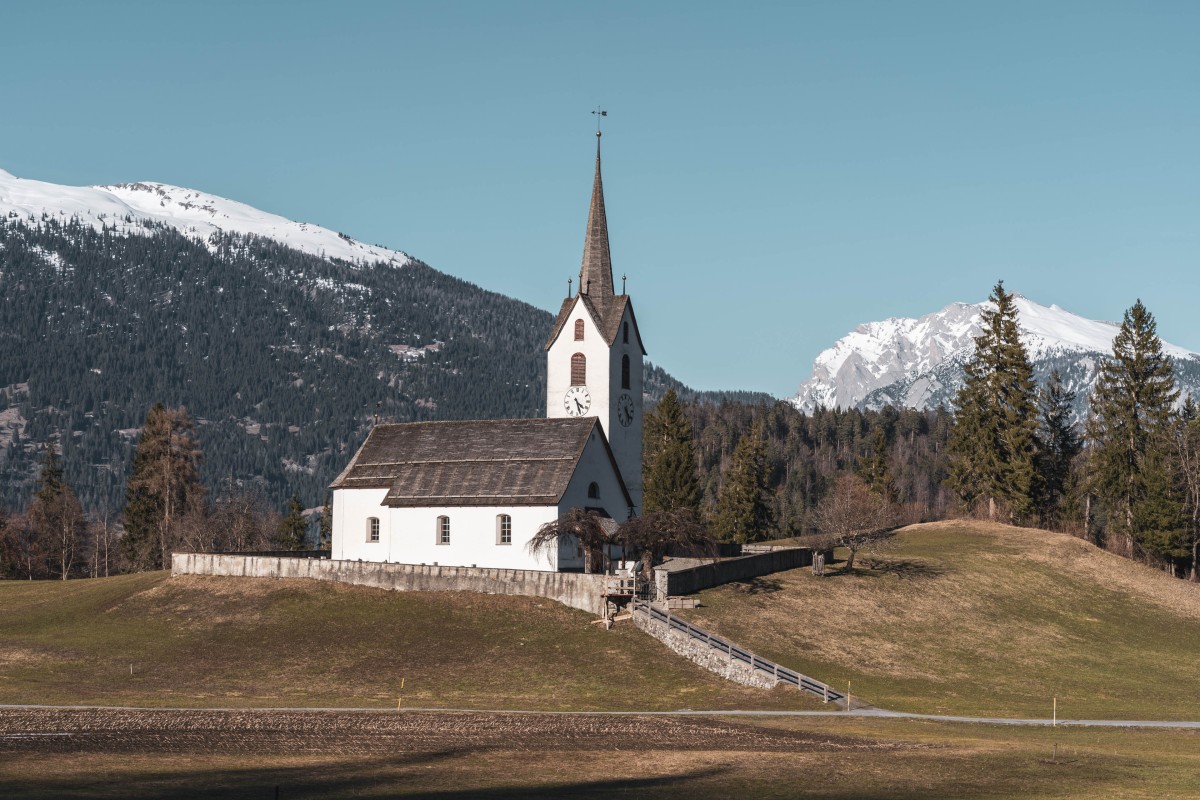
{"x": 577, "y": 401}
{"x": 625, "y": 410}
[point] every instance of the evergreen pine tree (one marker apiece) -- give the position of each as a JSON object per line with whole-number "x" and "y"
{"x": 1131, "y": 470}
{"x": 1060, "y": 444}
{"x": 325, "y": 540}
{"x": 743, "y": 511}
{"x": 669, "y": 458}
{"x": 164, "y": 486}
{"x": 56, "y": 519}
{"x": 994, "y": 442}
{"x": 875, "y": 469}
{"x": 293, "y": 529}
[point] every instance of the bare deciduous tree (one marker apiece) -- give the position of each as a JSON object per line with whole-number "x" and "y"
{"x": 657, "y": 532}
{"x": 854, "y": 517}
{"x": 578, "y": 525}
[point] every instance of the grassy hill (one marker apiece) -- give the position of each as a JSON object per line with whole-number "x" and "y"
{"x": 207, "y": 642}
{"x": 979, "y": 619}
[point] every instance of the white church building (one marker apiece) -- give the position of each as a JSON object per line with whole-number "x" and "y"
{"x": 474, "y": 493}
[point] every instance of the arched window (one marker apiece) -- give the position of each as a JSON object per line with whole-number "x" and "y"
{"x": 578, "y": 370}
{"x": 593, "y": 491}
{"x": 624, "y": 372}
{"x": 579, "y": 330}
{"x": 443, "y": 530}
{"x": 625, "y": 331}
{"x": 503, "y": 529}
{"x": 372, "y": 529}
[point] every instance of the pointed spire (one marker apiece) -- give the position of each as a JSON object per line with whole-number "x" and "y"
{"x": 595, "y": 274}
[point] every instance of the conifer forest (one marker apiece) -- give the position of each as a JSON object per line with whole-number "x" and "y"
{"x": 157, "y": 392}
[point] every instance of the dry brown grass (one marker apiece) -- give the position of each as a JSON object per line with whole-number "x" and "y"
{"x": 206, "y": 641}
{"x": 977, "y": 618}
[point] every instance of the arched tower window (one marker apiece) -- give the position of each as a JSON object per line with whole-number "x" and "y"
{"x": 593, "y": 491}
{"x": 625, "y": 331}
{"x": 624, "y": 372}
{"x": 579, "y": 330}
{"x": 578, "y": 369}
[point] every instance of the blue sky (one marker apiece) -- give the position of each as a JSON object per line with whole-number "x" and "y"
{"x": 775, "y": 173}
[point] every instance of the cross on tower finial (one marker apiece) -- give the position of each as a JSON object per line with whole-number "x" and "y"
{"x": 598, "y": 113}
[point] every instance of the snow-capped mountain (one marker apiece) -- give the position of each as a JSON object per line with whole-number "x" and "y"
{"x": 132, "y": 207}
{"x": 918, "y": 363}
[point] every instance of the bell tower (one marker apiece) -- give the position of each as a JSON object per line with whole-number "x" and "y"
{"x": 594, "y": 354}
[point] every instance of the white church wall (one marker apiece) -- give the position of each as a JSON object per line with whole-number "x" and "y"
{"x": 558, "y": 367}
{"x": 626, "y": 442}
{"x": 594, "y": 466}
{"x": 351, "y": 510}
{"x": 414, "y": 536}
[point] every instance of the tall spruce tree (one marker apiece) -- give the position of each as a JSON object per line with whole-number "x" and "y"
{"x": 164, "y": 486}
{"x": 293, "y": 529}
{"x": 1130, "y": 426}
{"x": 669, "y": 459}
{"x": 325, "y": 535}
{"x": 994, "y": 444}
{"x": 56, "y": 519}
{"x": 743, "y": 511}
{"x": 1059, "y": 443}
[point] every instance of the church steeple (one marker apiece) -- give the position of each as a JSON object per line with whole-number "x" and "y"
{"x": 595, "y": 274}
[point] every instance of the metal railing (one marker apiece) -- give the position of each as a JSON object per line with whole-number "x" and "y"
{"x": 735, "y": 653}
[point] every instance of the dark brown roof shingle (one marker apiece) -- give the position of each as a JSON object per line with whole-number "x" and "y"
{"x": 478, "y": 462}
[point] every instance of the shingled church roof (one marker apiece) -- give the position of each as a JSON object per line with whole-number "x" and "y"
{"x": 473, "y": 463}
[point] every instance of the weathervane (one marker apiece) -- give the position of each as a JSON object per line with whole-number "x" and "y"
{"x": 569, "y": 282}
{"x": 623, "y": 277}
{"x": 598, "y": 113}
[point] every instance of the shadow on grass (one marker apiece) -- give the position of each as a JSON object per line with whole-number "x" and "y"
{"x": 382, "y": 778}
{"x": 759, "y": 586}
{"x": 902, "y": 568}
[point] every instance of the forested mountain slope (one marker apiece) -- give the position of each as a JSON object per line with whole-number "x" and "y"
{"x": 284, "y": 358}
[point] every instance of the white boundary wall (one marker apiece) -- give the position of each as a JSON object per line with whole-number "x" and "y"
{"x": 574, "y": 589}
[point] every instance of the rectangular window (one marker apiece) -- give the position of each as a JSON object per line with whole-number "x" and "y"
{"x": 443, "y": 530}
{"x": 373, "y": 529}
{"x": 504, "y": 529}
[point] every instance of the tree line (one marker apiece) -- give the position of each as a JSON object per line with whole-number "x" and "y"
{"x": 1126, "y": 476}
{"x": 166, "y": 509}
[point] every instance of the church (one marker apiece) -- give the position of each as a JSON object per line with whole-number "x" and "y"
{"x": 473, "y": 493}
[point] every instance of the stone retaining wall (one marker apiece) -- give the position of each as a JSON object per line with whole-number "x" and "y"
{"x": 700, "y": 653}
{"x": 574, "y": 589}
{"x": 689, "y": 581}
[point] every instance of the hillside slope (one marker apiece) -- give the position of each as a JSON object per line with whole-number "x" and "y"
{"x": 983, "y": 620}
{"x": 241, "y": 642}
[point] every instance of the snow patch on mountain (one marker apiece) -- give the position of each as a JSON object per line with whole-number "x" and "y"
{"x": 918, "y": 363}
{"x": 128, "y": 207}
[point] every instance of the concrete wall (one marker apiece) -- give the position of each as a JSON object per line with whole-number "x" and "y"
{"x": 700, "y": 653}
{"x": 577, "y": 590}
{"x": 689, "y": 581}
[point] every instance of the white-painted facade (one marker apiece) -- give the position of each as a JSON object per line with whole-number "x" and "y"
{"x": 409, "y": 535}
{"x": 605, "y": 387}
